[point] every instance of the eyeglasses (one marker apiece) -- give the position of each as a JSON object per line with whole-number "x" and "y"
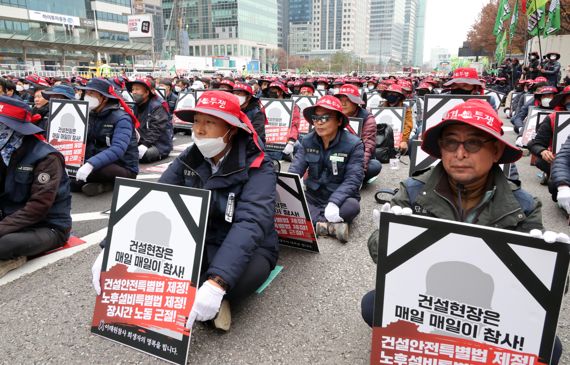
{"x": 321, "y": 119}
{"x": 470, "y": 145}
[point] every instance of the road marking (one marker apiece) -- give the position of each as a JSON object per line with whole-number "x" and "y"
{"x": 43, "y": 261}
{"x": 91, "y": 216}
{"x": 148, "y": 176}
{"x": 508, "y": 129}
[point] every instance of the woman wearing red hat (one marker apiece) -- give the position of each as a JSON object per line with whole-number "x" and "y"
{"x": 250, "y": 106}
{"x": 241, "y": 246}
{"x": 333, "y": 159}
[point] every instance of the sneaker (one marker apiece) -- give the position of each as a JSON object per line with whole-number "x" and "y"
{"x": 93, "y": 189}
{"x": 322, "y": 229}
{"x": 341, "y": 231}
{"x": 223, "y": 320}
{"x": 8, "y": 265}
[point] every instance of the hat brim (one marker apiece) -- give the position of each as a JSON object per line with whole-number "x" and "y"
{"x": 431, "y": 136}
{"x": 107, "y": 95}
{"x": 555, "y": 54}
{"x": 464, "y": 81}
{"x": 558, "y": 99}
{"x": 48, "y": 94}
{"x": 129, "y": 86}
{"x": 384, "y": 92}
{"x": 310, "y": 110}
{"x": 187, "y": 115}
{"x": 355, "y": 99}
{"x": 25, "y": 128}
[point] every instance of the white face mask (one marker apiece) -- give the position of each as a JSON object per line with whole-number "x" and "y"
{"x": 546, "y": 102}
{"x": 78, "y": 96}
{"x": 19, "y": 88}
{"x": 26, "y": 86}
{"x": 242, "y": 99}
{"x": 553, "y": 58}
{"x": 320, "y": 87}
{"x": 93, "y": 101}
{"x": 370, "y": 87}
{"x": 210, "y": 147}
{"x": 177, "y": 89}
{"x": 336, "y": 91}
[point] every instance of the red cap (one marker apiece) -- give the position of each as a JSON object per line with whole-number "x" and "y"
{"x": 546, "y": 90}
{"x": 242, "y": 86}
{"x": 229, "y": 83}
{"x": 465, "y": 75}
{"x": 279, "y": 86}
{"x": 540, "y": 79}
{"x": 352, "y": 92}
{"x": 328, "y": 102}
{"x": 476, "y": 113}
{"x": 146, "y": 82}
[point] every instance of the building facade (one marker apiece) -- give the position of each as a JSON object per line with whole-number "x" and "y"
{"x": 216, "y": 28}
{"x": 300, "y": 37}
{"x": 409, "y": 39}
{"x": 283, "y": 24}
{"x": 387, "y": 18}
{"x": 418, "y": 60}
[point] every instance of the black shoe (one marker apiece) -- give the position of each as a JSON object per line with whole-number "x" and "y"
{"x": 93, "y": 189}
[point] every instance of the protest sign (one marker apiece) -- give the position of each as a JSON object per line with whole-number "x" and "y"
{"x": 561, "y": 131}
{"x": 199, "y": 93}
{"x": 497, "y": 95}
{"x": 162, "y": 92}
{"x": 394, "y": 117}
{"x": 279, "y": 113}
{"x": 151, "y": 267}
{"x": 419, "y": 108}
{"x": 419, "y": 160}
{"x": 302, "y": 102}
{"x": 292, "y": 219}
{"x": 67, "y": 131}
{"x": 374, "y": 100}
{"x": 355, "y": 126}
{"x": 450, "y": 293}
{"x": 186, "y": 100}
{"x": 534, "y": 118}
{"x": 435, "y": 106}
{"x": 320, "y": 93}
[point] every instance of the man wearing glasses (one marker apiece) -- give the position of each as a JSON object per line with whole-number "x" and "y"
{"x": 334, "y": 160}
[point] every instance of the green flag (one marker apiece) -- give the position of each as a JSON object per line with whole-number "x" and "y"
{"x": 514, "y": 20}
{"x": 553, "y": 18}
{"x": 501, "y": 50}
{"x": 535, "y": 12}
{"x": 500, "y": 17}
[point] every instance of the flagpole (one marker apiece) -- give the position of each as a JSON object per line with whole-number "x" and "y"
{"x": 538, "y": 33}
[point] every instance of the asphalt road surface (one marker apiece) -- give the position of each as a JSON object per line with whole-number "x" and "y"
{"x": 310, "y": 314}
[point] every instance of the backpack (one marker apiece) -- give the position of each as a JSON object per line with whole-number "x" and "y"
{"x": 384, "y": 143}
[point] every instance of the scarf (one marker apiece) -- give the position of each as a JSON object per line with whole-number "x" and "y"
{"x": 9, "y": 142}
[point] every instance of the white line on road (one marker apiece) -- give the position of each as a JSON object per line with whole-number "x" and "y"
{"x": 43, "y": 261}
{"x": 91, "y": 216}
{"x": 148, "y": 176}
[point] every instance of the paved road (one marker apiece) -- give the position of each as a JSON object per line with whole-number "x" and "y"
{"x": 309, "y": 315}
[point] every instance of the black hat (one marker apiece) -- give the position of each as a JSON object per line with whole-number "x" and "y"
{"x": 100, "y": 85}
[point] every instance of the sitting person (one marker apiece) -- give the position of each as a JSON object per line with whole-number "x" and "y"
{"x": 35, "y": 202}
{"x": 226, "y": 159}
{"x": 333, "y": 158}
{"x": 467, "y": 185}
{"x": 395, "y": 98}
{"x": 56, "y": 92}
{"x": 277, "y": 90}
{"x": 351, "y": 102}
{"x": 250, "y": 106}
{"x": 111, "y": 147}
{"x": 156, "y": 130}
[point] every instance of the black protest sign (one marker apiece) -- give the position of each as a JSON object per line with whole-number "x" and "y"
{"x": 374, "y": 100}
{"x": 67, "y": 131}
{"x": 279, "y": 114}
{"x": 419, "y": 108}
{"x": 355, "y": 126}
{"x": 302, "y": 102}
{"x": 292, "y": 218}
{"x": 435, "y": 106}
{"x": 394, "y": 117}
{"x": 561, "y": 130}
{"x": 151, "y": 267}
{"x": 497, "y": 95}
{"x": 419, "y": 160}
{"x": 454, "y": 288}
{"x": 162, "y": 92}
{"x": 199, "y": 94}
{"x": 186, "y": 100}
{"x": 320, "y": 93}
{"x": 534, "y": 118}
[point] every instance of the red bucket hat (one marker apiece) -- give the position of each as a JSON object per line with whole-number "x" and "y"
{"x": 279, "y": 86}
{"x": 544, "y": 90}
{"x": 478, "y": 114}
{"x": 540, "y": 79}
{"x": 394, "y": 88}
{"x": 351, "y": 92}
{"x": 146, "y": 82}
{"x": 560, "y": 97}
{"x": 465, "y": 75}
{"x": 229, "y": 83}
{"x": 242, "y": 86}
{"x": 328, "y": 102}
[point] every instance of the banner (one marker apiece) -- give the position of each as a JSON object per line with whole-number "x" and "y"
{"x": 456, "y": 293}
{"x": 553, "y": 18}
{"x": 561, "y": 131}
{"x": 514, "y": 20}
{"x": 534, "y": 118}
{"x": 536, "y": 18}
{"x": 292, "y": 218}
{"x": 186, "y": 100}
{"x": 151, "y": 267}
{"x": 355, "y": 126}
{"x": 302, "y": 102}
{"x": 501, "y": 49}
{"x": 140, "y": 26}
{"x": 279, "y": 113}
{"x": 436, "y": 105}
{"x": 394, "y": 117}
{"x": 67, "y": 131}
{"x": 502, "y": 13}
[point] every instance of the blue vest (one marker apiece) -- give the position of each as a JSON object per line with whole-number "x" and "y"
{"x": 326, "y": 175}
{"x": 18, "y": 184}
{"x": 100, "y": 137}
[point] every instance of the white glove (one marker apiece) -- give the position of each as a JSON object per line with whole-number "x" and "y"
{"x": 207, "y": 303}
{"x": 564, "y": 198}
{"x": 550, "y": 236}
{"x": 142, "y": 150}
{"x": 289, "y": 148}
{"x": 83, "y": 172}
{"x": 332, "y": 213}
{"x": 518, "y": 142}
{"x": 386, "y": 208}
{"x": 96, "y": 273}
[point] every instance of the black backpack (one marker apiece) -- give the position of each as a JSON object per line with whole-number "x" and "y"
{"x": 384, "y": 143}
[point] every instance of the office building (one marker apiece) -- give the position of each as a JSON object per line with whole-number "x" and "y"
{"x": 387, "y": 18}
{"x": 418, "y": 59}
{"x": 283, "y": 24}
{"x": 409, "y": 38}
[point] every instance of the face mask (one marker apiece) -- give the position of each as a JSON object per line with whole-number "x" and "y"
{"x": 461, "y": 92}
{"x": 553, "y": 58}
{"x": 392, "y": 99}
{"x": 138, "y": 98}
{"x": 336, "y": 91}
{"x": 545, "y": 102}
{"x": 273, "y": 94}
{"x": 19, "y": 88}
{"x": 26, "y": 86}
{"x": 242, "y": 99}
{"x": 422, "y": 92}
{"x": 210, "y": 147}
{"x": 532, "y": 57}
{"x": 370, "y": 87}
{"x": 177, "y": 89}
{"x": 320, "y": 87}
{"x": 93, "y": 102}
{"x": 78, "y": 96}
